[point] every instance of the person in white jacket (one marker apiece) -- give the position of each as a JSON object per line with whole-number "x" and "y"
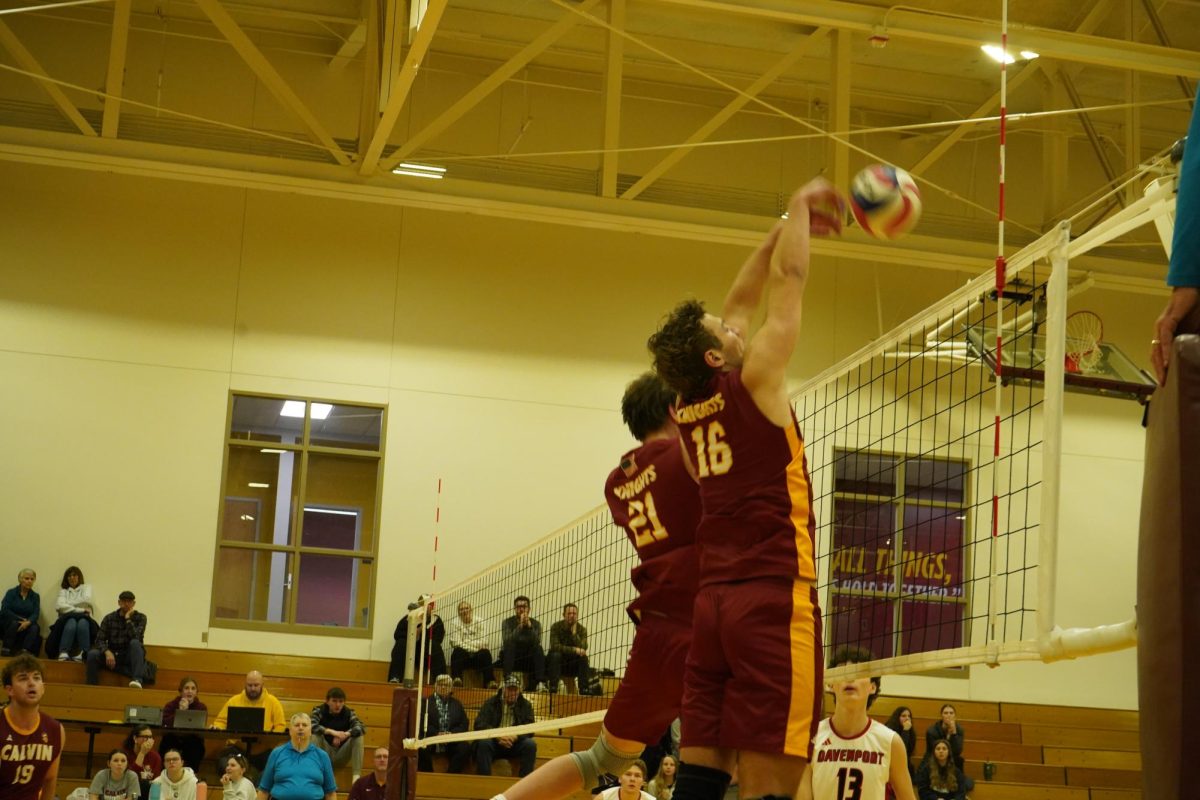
{"x": 469, "y": 643}
{"x": 177, "y": 782}
{"x": 74, "y": 608}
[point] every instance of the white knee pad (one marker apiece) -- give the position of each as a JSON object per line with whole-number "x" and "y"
{"x": 601, "y": 759}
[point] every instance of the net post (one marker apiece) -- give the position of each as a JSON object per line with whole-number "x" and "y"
{"x": 1052, "y": 415}
{"x": 402, "y": 766}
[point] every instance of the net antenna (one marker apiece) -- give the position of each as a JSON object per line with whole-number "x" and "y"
{"x": 1085, "y": 331}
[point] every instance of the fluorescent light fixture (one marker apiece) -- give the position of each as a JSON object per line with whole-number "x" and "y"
{"x": 331, "y": 511}
{"x": 1028, "y": 55}
{"x": 415, "y": 170}
{"x": 295, "y": 408}
{"x": 997, "y": 54}
{"x": 272, "y": 450}
{"x": 259, "y": 485}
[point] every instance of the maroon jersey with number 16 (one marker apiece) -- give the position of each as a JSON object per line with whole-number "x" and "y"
{"x": 652, "y": 496}
{"x": 26, "y": 756}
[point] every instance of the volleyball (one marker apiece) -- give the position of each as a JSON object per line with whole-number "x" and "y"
{"x": 885, "y": 201}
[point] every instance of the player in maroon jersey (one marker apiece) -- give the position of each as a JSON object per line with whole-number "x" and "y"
{"x": 753, "y": 678}
{"x": 652, "y": 496}
{"x": 31, "y": 743}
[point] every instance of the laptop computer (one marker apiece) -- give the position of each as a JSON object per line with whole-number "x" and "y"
{"x": 191, "y": 718}
{"x": 242, "y": 718}
{"x": 143, "y": 715}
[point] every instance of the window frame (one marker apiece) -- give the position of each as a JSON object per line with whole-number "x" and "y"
{"x": 900, "y": 501}
{"x": 295, "y": 549}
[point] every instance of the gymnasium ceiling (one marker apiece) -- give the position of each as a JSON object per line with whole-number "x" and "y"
{"x": 810, "y": 65}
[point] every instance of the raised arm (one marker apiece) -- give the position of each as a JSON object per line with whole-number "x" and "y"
{"x": 746, "y": 291}
{"x": 768, "y": 353}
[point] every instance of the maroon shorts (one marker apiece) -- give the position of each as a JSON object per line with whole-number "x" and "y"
{"x": 754, "y": 671}
{"x": 647, "y": 701}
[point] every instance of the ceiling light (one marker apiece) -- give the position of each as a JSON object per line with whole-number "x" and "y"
{"x": 292, "y": 408}
{"x": 295, "y": 408}
{"x": 312, "y": 510}
{"x": 1028, "y": 55}
{"x": 997, "y": 54}
{"x": 259, "y": 485}
{"x": 420, "y": 170}
{"x": 272, "y": 450}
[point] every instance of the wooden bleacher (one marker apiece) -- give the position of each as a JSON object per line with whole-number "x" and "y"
{"x": 1037, "y": 752}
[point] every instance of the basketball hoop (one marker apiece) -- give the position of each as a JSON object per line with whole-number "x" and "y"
{"x": 1085, "y": 331}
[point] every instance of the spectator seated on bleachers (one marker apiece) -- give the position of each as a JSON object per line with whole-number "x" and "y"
{"x": 115, "y": 782}
{"x": 141, "y": 759}
{"x": 177, "y": 782}
{"x": 522, "y": 647}
{"x": 235, "y": 785}
{"x": 444, "y": 714}
{"x": 254, "y": 696}
{"x": 71, "y": 635}
{"x": 338, "y": 731}
{"x": 190, "y": 745}
{"x": 663, "y": 784}
{"x": 120, "y": 644}
{"x": 372, "y": 785}
{"x": 434, "y": 656}
{"x": 939, "y": 778}
{"x": 568, "y": 649}
{"x": 505, "y": 708}
{"x": 632, "y": 778}
{"x": 947, "y": 728}
{"x": 19, "y": 613}
{"x": 469, "y": 645}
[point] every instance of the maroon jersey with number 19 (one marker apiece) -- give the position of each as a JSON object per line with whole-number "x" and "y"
{"x": 758, "y": 520}
{"x": 652, "y": 496}
{"x": 26, "y": 756}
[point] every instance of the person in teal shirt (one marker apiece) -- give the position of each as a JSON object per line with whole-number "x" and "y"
{"x": 298, "y": 770}
{"x": 1184, "y": 274}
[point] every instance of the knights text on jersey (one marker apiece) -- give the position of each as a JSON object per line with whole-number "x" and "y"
{"x": 26, "y": 756}
{"x": 855, "y": 766}
{"x": 754, "y": 486}
{"x": 652, "y": 496}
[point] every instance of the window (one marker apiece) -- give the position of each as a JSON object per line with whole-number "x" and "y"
{"x": 898, "y": 557}
{"x": 298, "y": 531}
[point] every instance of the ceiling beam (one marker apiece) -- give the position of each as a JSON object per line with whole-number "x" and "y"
{"x": 906, "y": 23}
{"x": 612, "y": 97}
{"x": 489, "y": 84}
{"x": 350, "y": 48}
{"x": 114, "y": 83}
{"x": 721, "y": 117}
{"x": 401, "y": 84}
{"x": 25, "y": 59}
{"x": 269, "y": 76}
{"x": 1160, "y": 31}
{"x": 1099, "y": 13}
{"x": 368, "y": 104}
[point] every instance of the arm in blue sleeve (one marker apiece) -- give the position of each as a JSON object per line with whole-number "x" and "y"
{"x": 1185, "y": 245}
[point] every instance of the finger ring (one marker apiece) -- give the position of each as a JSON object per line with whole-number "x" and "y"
{"x": 1154, "y": 341}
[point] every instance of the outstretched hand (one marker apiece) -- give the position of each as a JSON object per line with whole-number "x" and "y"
{"x": 826, "y": 207}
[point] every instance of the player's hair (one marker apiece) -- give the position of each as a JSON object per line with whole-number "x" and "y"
{"x": 72, "y": 571}
{"x": 678, "y": 347}
{"x": 22, "y": 663}
{"x": 335, "y": 693}
{"x": 637, "y": 762}
{"x": 858, "y": 655}
{"x": 185, "y": 680}
{"x": 942, "y": 777}
{"x": 646, "y": 405}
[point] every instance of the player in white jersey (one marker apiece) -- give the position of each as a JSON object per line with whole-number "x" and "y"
{"x": 855, "y": 757}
